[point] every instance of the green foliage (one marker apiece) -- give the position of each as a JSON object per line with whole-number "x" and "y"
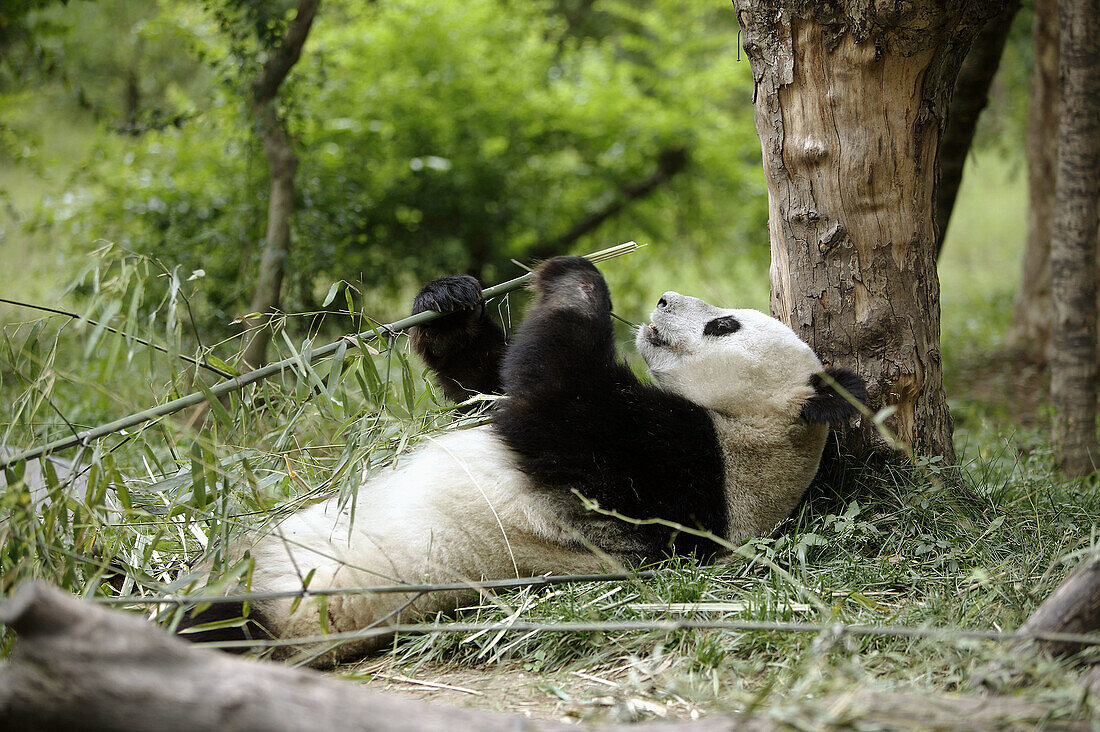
{"x": 119, "y": 59}
{"x": 18, "y": 31}
{"x": 438, "y": 137}
{"x": 194, "y": 480}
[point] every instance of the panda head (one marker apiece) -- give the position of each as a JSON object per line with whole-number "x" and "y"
{"x": 740, "y": 362}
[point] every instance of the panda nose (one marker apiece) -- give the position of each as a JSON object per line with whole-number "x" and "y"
{"x": 667, "y": 300}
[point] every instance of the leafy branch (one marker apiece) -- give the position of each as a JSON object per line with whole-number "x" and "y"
{"x": 86, "y": 437}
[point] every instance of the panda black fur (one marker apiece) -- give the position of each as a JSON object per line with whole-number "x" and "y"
{"x": 726, "y": 441}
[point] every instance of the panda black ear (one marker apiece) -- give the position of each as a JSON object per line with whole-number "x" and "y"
{"x": 827, "y": 405}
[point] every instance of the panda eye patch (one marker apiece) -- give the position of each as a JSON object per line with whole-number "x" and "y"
{"x": 722, "y": 326}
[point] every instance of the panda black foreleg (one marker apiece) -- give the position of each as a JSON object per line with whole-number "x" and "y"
{"x": 580, "y": 421}
{"x": 567, "y": 339}
{"x": 463, "y": 348}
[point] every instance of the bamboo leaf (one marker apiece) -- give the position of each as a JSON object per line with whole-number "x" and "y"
{"x": 331, "y": 294}
{"x": 336, "y": 369}
{"x": 219, "y": 410}
{"x": 218, "y": 363}
{"x": 198, "y": 476}
{"x": 305, "y": 586}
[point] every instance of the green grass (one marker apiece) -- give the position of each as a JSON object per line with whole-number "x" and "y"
{"x": 904, "y": 552}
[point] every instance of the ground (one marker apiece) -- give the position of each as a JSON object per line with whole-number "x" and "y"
{"x": 620, "y": 693}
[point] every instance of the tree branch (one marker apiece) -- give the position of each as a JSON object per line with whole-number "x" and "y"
{"x": 669, "y": 162}
{"x": 969, "y": 99}
{"x": 1074, "y": 607}
{"x": 282, "y": 60}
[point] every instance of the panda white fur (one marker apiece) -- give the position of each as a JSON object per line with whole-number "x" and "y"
{"x": 726, "y": 442}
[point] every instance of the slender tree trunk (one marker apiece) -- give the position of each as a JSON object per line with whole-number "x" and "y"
{"x": 282, "y": 164}
{"x": 970, "y": 98}
{"x": 1030, "y": 331}
{"x": 1073, "y": 240}
{"x": 850, "y": 103}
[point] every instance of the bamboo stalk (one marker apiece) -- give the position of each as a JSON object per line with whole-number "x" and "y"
{"x": 952, "y": 635}
{"x": 85, "y": 437}
{"x": 543, "y": 581}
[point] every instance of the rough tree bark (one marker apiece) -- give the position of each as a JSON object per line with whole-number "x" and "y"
{"x": 282, "y": 164}
{"x": 970, "y": 98}
{"x": 851, "y": 98}
{"x": 1029, "y": 335}
{"x": 1073, "y": 368}
{"x": 79, "y": 666}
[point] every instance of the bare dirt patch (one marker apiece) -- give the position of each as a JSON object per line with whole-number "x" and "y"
{"x": 628, "y": 692}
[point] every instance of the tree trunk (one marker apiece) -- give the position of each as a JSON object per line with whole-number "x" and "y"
{"x": 970, "y": 98}
{"x": 282, "y": 165}
{"x": 79, "y": 666}
{"x": 1073, "y": 240}
{"x": 850, "y": 103}
{"x": 1030, "y": 331}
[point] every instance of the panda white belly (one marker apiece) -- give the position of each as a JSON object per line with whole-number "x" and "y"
{"x": 456, "y": 510}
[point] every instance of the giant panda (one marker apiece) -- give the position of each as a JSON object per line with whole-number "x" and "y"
{"x": 724, "y": 443}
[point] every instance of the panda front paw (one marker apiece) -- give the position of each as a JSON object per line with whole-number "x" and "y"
{"x": 449, "y": 295}
{"x": 572, "y": 282}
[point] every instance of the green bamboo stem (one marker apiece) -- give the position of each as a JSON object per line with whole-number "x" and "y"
{"x": 953, "y": 635}
{"x": 86, "y": 437}
{"x": 547, "y": 580}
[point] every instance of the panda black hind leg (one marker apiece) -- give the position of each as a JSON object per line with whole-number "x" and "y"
{"x": 465, "y": 347}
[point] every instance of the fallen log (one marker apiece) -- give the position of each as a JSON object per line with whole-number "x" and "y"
{"x": 80, "y": 666}
{"x": 1074, "y": 607}
{"x": 1091, "y": 680}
